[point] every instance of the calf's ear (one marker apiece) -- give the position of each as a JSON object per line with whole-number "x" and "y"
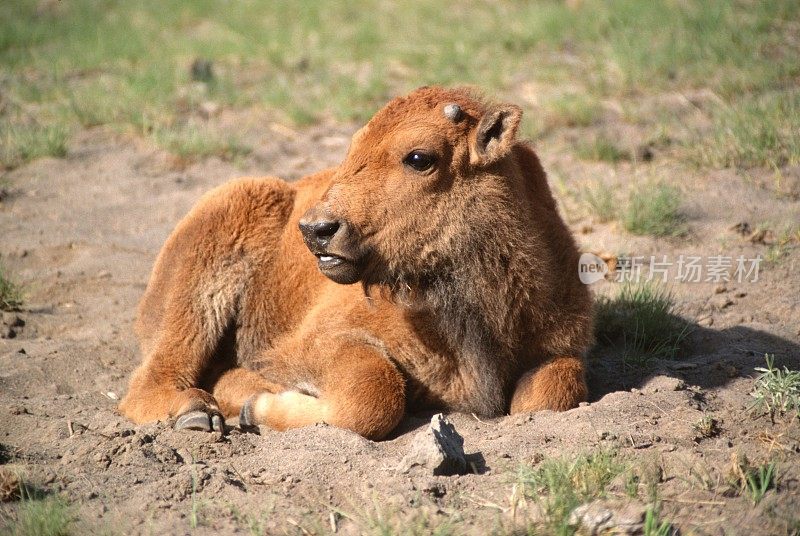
{"x": 495, "y": 134}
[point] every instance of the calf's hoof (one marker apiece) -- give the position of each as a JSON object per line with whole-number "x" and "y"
{"x": 247, "y": 415}
{"x": 201, "y": 421}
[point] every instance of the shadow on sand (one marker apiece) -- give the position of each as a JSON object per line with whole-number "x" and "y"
{"x": 709, "y": 358}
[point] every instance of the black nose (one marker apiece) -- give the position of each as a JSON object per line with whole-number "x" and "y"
{"x": 319, "y": 232}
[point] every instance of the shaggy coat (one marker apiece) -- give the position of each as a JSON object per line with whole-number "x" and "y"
{"x": 429, "y": 270}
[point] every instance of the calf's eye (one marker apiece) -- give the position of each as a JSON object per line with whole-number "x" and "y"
{"x": 419, "y": 161}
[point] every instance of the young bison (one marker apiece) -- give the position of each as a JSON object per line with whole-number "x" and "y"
{"x": 469, "y": 298}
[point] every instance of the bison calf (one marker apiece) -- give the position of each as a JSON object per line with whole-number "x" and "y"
{"x": 429, "y": 270}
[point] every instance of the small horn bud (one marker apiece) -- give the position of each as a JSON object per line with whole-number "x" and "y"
{"x": 453, "y": 112}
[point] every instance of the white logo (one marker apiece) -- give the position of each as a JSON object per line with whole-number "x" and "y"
{"x": 591, "y": 268}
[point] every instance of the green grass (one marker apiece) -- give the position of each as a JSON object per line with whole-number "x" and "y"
{"x": 383, "y": 523}
{"x": 641, "y": 321}
{"x": 776, "y": 391}
{"x": 603, "y": 149}
{"x": 760, "y": 480}
{"x": 47, "y": 516}
{"x": 654, "y": 209}
{"x": 786, "y": 240}
{"x": 196, "y": 517}
{"x": 379, "y": 520}
{"x": 190, "y": 142}
{"x": 599, "y": 199}
{"x": 10, "y": 293}
{"x": 253, "y": 523}
{"x": 560, "y": 485}
{"x": 128, "y": 63}
{"x": 20, "y": 144}
{"x": 573, "y": 110}
{"x": 654, "y": 526}
{"x": 756, "y": 130}
{"x": 750, "y": 480}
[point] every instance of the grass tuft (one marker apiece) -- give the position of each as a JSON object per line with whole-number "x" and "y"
{"x": 191, "y": 142}
{"x": 776, "y": 391}
{"x": 760, "y": 480}
{"x": 21, "y": 144}
{"x": 603, "y": 149}
{"x": 573, "y": 110}
{"x": 754, "y": 481}
{"x": 641, "y": 319}
{"x": 560, "y": 485}
{"x": 196, "y": 510}
{"x": 47, "y": 516}
{"x": 654, "y": 526}
{"x": 755, "y": 131}
{"x": 785, "y": 241}
{"x": 655, "y": 210}
{"x": 377, "y": 519}
{"x": 600, "y": 200}
{"x": 10, "y": 293}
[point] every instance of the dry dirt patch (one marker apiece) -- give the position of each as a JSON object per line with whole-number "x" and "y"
{"x": 81, "y": 233}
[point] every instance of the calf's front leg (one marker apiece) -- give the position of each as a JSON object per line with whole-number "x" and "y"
{"x": 167, "y": 384}
{"x": 359, "y": 389}
{"x": 558, "y": 384}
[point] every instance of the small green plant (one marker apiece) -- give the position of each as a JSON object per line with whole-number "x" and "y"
{"x": 755, "y": 481}
{"x": 600, "y": 200}
{"x": 776, "y": 391}
{"x": 632, "y": 485}
{"x": 602, "y": 148}
{"x": 10, "y": 293}
{"x": 706, "y": 427}
{"x": 642, "y": 319}
{"x": 255, "y": 524}
{"x": 785, "y": 241}
{"x": 760, "y": 480}
{"x": 654, "y": 526}
{"x": 563, "y": 484}
{"x": 194, "y": 513}
{"x": 655, "y": 210}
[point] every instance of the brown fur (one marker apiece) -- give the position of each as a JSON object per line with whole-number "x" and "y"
{"x": 469, "y": 297}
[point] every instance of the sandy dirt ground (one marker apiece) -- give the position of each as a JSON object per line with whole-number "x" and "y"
{"x": 81, "y": 234}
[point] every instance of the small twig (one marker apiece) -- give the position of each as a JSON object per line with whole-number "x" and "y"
{"x": 298, "y": 525}
{"x": 479, "y": 420}
{"x": 515, "y": 498}
{"x": 487, "y": 504}
{"x": 233, "y": 468}
{"x": 683, "y": 501}
{"x": 659, "y": 408}
{"x": 332, "y": 519}
{"x": 70, "y": 429}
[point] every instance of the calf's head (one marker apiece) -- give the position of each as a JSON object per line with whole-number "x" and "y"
{"x": 419, "y": 182}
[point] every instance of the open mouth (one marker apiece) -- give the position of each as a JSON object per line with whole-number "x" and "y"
{"x": 339, "y": 269}
{"x": 327, "y": 260}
